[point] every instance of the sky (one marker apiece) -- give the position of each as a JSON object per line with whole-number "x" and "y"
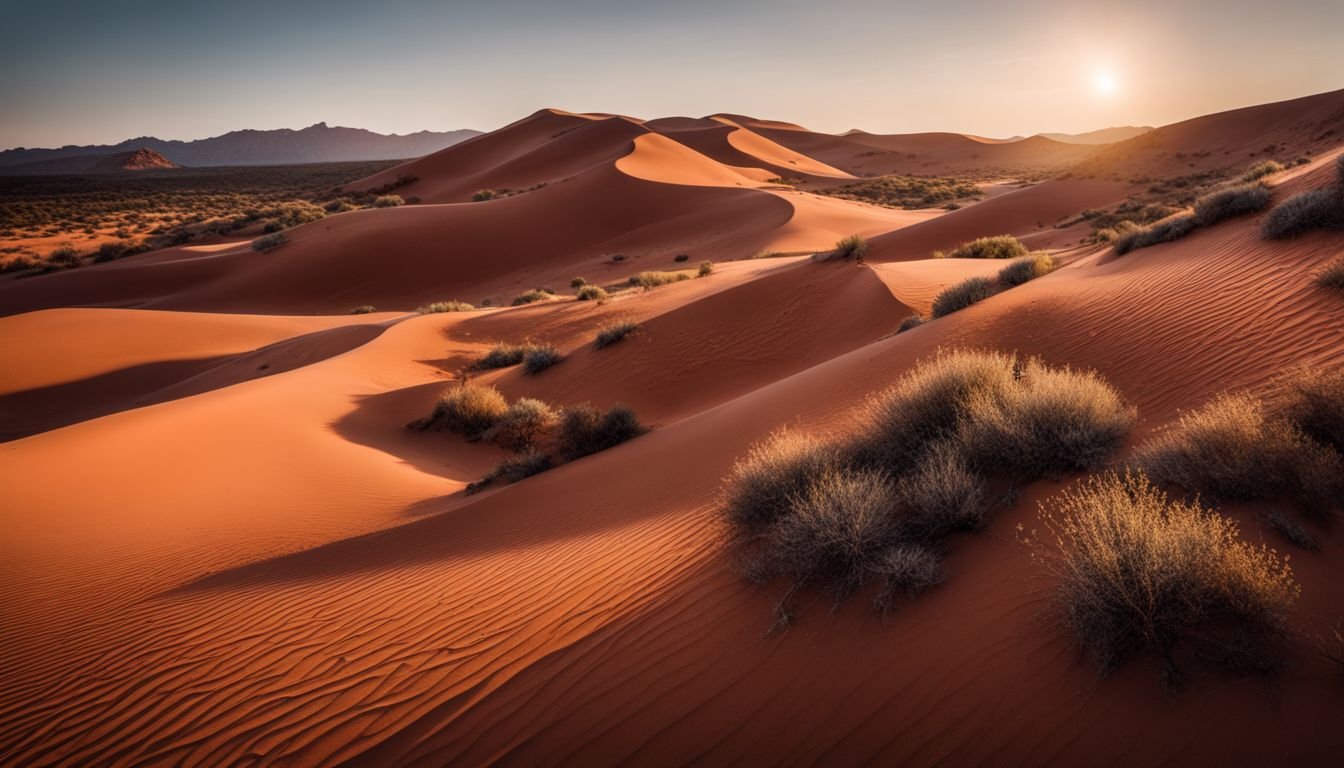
{"x": 101, "y": 72}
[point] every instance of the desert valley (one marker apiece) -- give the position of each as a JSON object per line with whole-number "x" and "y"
{"x": 603, "y": 439}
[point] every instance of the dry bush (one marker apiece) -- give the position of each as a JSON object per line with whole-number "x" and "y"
{"x": 519, "y": 427}
{"x": 585, "y": 430}
{"x": 1261, "y": 170}
{"x": 761, "y": 484}
{"x": 1305, "y": 212}
{"x": 531, "y": 297}
{"x": 705, "y": 270}
{"x": 577, "y": 282}
{"x": 1332, "y": 274}
{"x": 469, "y": 408}
{"x": 502, "y": 355}
{"x": 613, "y": 332}
{"x": 654, "y": 279}
{"x": 1027, "y": 268}
{"x": 1164, "y": 231}
{"x": 364, "y": 309}
{"x": 591, "y": 293}
{"x": 1313, "y": 401}
{"x": 388, "y": 201}
{"x": 941, "y": 496}
{"x": 994, "y": 247}
{"x": 1140, "y": 573}
{"x": 269, "y": 242}
{"x": 851, "y": 247}
{"x": 1233, "y": 201}
{"x": 482, "y": 195}
{"x": 1234, "y": 450}
{"x": 511, "y": 470}
{"x": 436, "y": 307}
{"x": 912, "y": 321}
{"x": 962, "y": 295}
{"x": 540, "y": 357}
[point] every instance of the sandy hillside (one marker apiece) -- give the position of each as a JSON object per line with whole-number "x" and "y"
{"x": 223, "y": 545}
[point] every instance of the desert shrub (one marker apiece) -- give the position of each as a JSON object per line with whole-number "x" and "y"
{"x": 1052, "y": 420}
{"x": 388, "y": 201}
{"x": 363, "y": 309}
{"x": 613, "y": 332}
{"x": 1305, "y": 212}
{"x": 851, "y": 247}
{"x": 469, "y": 408}
{"x": 912, "y": 321}
{"x": 1291, "y": 530}
{"x": 504, "y": 354}
{"x": 1140, "y": 573}
{"x": 436, "y": 307}
{"x": 1332, "y": 274}
{"x": 577, "y": 282}
{"x": 591, "y": 293}
{"x": 1233, "y": 201}
{"x": 1027, "y": 268}
{"x": 1312, "y": 400}
{"x": 705, "y": 270}
{"x": 540, "y": 357}
{"x": 680, "y": 257}
{"x": 531, "y": 297}
{"x": 288, "y": 215}
{"x": 483, "y": 195}
{"x": 654, "y": 279}
{"x": 112, "y": 251}
{"x": 1173, "y": 228}
{"x": 762, "y": 484}
{"x": 962, "y": 295}
{"x": 524, "y": 421}
{"x": 269, "y": 242}
{"x": 584, "y": 430}
{"x": 520, "y": 467}
{"x": 19, "y": 263}
{"x": 994, "y": 247}
{"x": 1234, "y": 450}
{"x": 1261, "y": 170}
{"x": 65, "y": 254}
{"x": 941, "y": 496}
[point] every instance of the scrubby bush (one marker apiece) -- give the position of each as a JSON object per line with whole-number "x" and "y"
{"x": 591, "y": 293}
{"x": 1305, "y": 212}
{"x": 705, "y": 270}
{"x": 1332, "y": 274}
{"x": 1233, "y": 201}
{"x": 995, "y": 247}
{"x": 1140, "y": 573}
{"x": 435, "y": 307}
{"x": 577, "y": 282}
{"x": 541, "y": 357}
{"x": 531, "y": 297}
{"x": 363, "y": 309}
{"x": 762, "y": 484}
{"x": 388, "y": 201}
{"x": 962, "y": 295}
{"x": 483, "y": 195}
{"x": 912, "y": 321}
{"x": 114, "y": 250}
{"x": 585, "y": 430}
{"x": 851, "y": 247}
{"x": 680, "y": 257}
{"x": 941, "y": 496}
{"x": 648, "y": 280}
{"x": 1234, "y": 450}
{"x": 504, "y": 354}
{"x": 1027, "y": 268}
{"x": 524, "y": 421}
{"x": 469, "y": 408}
{"x": 1165, "y": 231}
{"x": 1261, "y": 170}
{"x": 520, "y": 467}
{"x": 269, "y": 242}
{"x": 1312, "y": 400}
{"x": 613, "y": 332}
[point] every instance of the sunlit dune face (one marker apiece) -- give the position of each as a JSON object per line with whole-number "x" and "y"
{"x": 1104, "y": 82}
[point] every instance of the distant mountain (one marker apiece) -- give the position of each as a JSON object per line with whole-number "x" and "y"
{"x": 1103, "y": 136}
{"x": 318, "y": 143}
{"x": 137, "y": 160}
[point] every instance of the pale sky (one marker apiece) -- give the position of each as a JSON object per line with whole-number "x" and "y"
{"x": 101, "y": 72}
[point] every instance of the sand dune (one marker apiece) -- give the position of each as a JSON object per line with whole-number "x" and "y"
{"x": 210, "y": 562}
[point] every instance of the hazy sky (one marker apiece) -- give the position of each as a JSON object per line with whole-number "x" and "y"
{"x": 100, "y": 72}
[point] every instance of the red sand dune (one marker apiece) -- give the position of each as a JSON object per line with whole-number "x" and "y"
{"x": 275, "y": 570}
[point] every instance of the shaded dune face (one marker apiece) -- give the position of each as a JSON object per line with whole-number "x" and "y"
{"x": 222, "y": 544}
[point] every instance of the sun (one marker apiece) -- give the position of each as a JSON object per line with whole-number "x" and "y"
{"x": 1104, "y": 82}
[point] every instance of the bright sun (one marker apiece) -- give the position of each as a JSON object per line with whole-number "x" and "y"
{"x": 1104, "y": 82}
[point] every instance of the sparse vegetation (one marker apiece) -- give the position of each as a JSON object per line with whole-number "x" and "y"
{"x": 388, "y": 201}
{"x": 468, "y": 408}
{"x": 912, "y": 321}
{"x": 962, "y": 295}
{"x": 647, "y": 280}
{"x": 435, "y": 307}
{"x": 513, "y": 469}
{"x": 613, "y": 332}
{"x": 918, "y": 469}
{"x": 1261, "y": 170}
{"x": 577, "y": 282}
{"x": 1165, "y": 231}
{"x": 483, "y": 195}
{"x": 1233, "y": 201}
{"x": 541, "y": 357}
{"x": 269, "y": 242}
{"x": 591, "y": 293}
{"x": 1140, "y": 573}
{"x": 519, "y": 427}
{"x": 584, "y": 430}
{"x": 1027, "y": 268}
{"x": 1306, "y": 212}
{"x": 995, "y": 247}
{"x": 705, "y": 270}
{"x": 503, "y": 355}
{"x": 364, "y": 309}
{"x": 897, "y": 191}
{"x": 850, "y": 247}
{"x": 531, "y": 297}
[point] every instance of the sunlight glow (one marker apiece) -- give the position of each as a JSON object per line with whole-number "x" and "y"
{"x": 1104, "y": 82}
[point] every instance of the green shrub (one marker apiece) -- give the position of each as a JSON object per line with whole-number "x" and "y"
{"x": 995, "y": 247}
{"x": 584, "y": 430}
{"x": 1027, "y": 268}
{"x": 962, "y": 295}
{"x": 539, "y": 358}
{"x": 269, "y": 242}
{"x": 524, "y": 421}
{"x": 1261, "y": 170}
{"x": 436, "y": 307}
{"x": 1304, "y": 212}
{"x": 1139, "y": 573}
{"x": 1234, "y": 201}
{"x": 591, "y": 293}
{"x": 705, "y": 270}
{"x": 388, "y": 201}
{"x": 613, "y": 332}
{"x": 531, "y": 297}
{"x": 648, "y": 280}
{"x": 469, "y": 408}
